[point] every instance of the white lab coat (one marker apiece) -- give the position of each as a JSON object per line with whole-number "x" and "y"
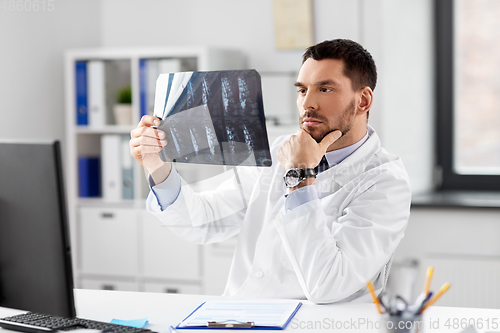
{"x": 324, "y": 250}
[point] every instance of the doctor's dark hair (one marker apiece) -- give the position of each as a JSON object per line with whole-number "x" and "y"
{"x": 358, "y": 62}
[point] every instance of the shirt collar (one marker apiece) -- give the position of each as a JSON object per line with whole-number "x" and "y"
{"x": 334, "y": 157}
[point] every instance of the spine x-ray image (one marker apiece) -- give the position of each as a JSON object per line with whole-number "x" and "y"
{"x": 213, "y": 118}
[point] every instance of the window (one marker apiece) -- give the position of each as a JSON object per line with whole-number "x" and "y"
{"x": 468, "y": 93}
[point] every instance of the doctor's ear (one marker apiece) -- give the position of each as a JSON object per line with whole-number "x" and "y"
{"x": 365, "y": 100}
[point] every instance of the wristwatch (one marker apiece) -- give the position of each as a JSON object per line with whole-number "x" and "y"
{"x": 295, "y": 176}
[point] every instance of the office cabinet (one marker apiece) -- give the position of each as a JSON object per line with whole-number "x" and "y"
{"x": 109, "y": 244}
{"x": 166, "y": 255}
{"x": 217, "y": 258}
{"x": 108, "y": 284}
{"x": 172, "y": 288}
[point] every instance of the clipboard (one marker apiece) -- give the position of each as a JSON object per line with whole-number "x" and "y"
{"x": 242, "y": 314}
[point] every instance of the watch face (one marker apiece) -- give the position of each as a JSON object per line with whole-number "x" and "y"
{"x": 293, "y": 177}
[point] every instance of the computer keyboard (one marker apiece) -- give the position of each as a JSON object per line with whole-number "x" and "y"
{"x": 39, "y": 323}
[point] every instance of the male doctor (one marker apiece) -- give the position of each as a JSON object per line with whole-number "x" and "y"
{"x": 325, "y": 218}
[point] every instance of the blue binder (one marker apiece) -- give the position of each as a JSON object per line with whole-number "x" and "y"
{"x": 89, "y": 177}
{"x": 143, "y": 86}
{"x": 81, "y": 93}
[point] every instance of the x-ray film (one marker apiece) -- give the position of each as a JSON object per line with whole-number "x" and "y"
{"x": 212, "y": 118}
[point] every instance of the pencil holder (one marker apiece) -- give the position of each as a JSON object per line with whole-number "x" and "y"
{"x": 402, "y": 324}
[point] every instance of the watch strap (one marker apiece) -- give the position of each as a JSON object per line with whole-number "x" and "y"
{"x": 309, "y": 172}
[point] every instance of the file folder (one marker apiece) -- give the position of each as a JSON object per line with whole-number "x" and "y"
{"x": 242, "y": 314}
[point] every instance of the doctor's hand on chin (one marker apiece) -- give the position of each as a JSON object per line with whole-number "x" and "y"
{"x": 302, "y": 151}
{"x": 145, "y": 143}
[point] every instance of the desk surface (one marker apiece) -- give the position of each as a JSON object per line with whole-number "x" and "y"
{"x": 163, "y": 310}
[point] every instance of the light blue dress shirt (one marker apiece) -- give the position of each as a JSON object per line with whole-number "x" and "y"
{"x": 167, "y": 192}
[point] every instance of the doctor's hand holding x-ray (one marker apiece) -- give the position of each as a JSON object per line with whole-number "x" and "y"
{"x": 145, "y": 144}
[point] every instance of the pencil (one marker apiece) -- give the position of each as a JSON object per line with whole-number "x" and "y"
{"x": 375, "y": 299}
{"x": 430, "y": 271}
{"x": 436, "y": 297}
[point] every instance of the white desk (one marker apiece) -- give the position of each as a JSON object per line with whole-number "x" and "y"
{"x": 163, "y": 310}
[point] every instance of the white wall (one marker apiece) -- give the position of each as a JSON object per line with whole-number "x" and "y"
{"x": 239, "y": 24}
{"x": 462, "y": 246}
{"x": 400, "y": 37}
{"x": 408, "y": 78}
{"x": 31, "y": 65}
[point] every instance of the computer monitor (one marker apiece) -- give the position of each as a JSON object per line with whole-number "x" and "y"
{"x": 35, "y": 256}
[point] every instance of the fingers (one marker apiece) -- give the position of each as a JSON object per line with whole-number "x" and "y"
{"x": 148, "y": 144}
{"x": 300, "y": 136}
{"x": 147, "y": 132}
{"x": 145, "y": 128}
{"x": 330, "y": 138}
{"x": 301, "y": 149}
{"x": 283, "y": 155}
{"x": 148, "y": 120}
{"x": 301, "y": 132}
{"x": 146, "y": 141}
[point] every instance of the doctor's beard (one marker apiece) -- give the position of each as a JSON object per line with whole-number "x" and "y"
{"x": 345, "y": 122}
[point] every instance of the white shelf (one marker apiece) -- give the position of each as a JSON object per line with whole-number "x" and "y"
{"x": 110, "y": 129}
{"x": 101, "y": 203}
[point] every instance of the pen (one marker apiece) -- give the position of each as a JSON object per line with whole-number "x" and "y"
{"x": 437, "y": 296}
{"x": 421, "y": 298}
{"x": 383, "y": 300}
{"x": 420, "y": 305}
{"x": 375, "y": 299}
{"x": 430, "y": 271}
{"x": 172, "y": 329}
